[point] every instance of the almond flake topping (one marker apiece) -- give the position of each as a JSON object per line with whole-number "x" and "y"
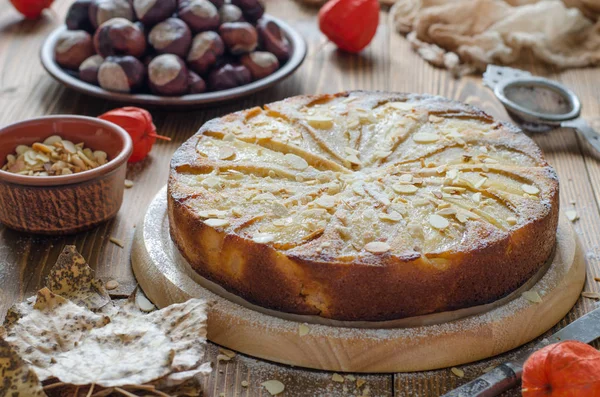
{"x": 320, "y": 122}
{"x": 405, "y": 189}
{"x": 263, "y": 238}
{"x": 477, "y": 197}
{"x": 511, "y": 220}
{"x": 303, "y": 330}
{"x": 337, "y": 378}
{"x": 425, "y": 137}
{"x": 406, "y": 178}
{"x": 392, "y": 216}
{"x": 213, "y": 222}
{"x": 480, "y": 183}
{"x": 326, "y": 201}
{"x": 458, "y": 372}
{"x": 438, "y": 222}
{"x": 296, "y": 162}
{"x": 226, "y": 153}
{"x": 530, "y": 189}
{"x": 377, "y": 247}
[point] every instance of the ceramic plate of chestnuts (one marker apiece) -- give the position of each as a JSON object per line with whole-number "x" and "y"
{"x": 171, "y": 52}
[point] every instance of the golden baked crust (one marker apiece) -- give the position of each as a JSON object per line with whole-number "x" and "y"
{"x": 363, "y": 205}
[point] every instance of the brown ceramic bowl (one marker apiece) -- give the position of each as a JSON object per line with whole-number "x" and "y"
{"x": 67, "y": 203}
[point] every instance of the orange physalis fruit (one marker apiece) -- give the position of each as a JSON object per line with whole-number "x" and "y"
{"x": 350, "y": 24}
{"x": 565, "y": 369}
{"x": 138, "y": 124}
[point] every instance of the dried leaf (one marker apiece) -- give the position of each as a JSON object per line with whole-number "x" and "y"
{"x": 54, "y": 326}
{"x": 72, "y": 278}
{"x": 18, "y": 378}
{"x": 79, "y": 347}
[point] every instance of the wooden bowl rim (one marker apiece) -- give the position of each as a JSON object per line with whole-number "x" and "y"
{"x": 124, "y": 154}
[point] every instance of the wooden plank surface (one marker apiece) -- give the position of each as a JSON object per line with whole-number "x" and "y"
{"x": 388, "y": 64}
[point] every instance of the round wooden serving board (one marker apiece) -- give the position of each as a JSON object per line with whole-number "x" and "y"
{"x": 417, "y": 344}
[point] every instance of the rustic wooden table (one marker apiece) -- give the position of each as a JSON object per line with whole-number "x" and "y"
{"x": 388, "y": 64}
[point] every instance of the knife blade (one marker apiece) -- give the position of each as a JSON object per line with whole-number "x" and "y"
{"x": 505, "y": 376}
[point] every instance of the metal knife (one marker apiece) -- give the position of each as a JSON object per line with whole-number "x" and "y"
{"x": 506, "y": 376}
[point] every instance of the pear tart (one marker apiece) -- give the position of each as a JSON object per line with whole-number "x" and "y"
{"x": 363, "y": 205}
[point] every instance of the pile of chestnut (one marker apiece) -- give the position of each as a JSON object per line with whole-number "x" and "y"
{"x": 170, "y": 47}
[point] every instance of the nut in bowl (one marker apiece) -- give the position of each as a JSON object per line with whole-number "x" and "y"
{"x": 61, "y": 174}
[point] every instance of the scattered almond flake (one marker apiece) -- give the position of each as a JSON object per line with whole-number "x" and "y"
{"x": 223, "y": 357}
{"x": 117, "y": 241}
{"x": 421, "y": 202}
{"x": 229, "y": 137}
{"x": 351, "y": 378}
{"x": 226, "y": 152}
{"x": 326, "y": 201}
{"x": 212, "y": 213}
{"x": 214, "y": 222}
{"x": 435, "y": 119}
{"x": 337, "y": 378}
{"x": 274, "y": 387}
{"x": 321, "y": 122}
{"x": 142, "y": 301}
{"x": 488, "y": 369}
{"x": 360, "y": 382}
{"x": 128, "y": 183}
{"x": 405, "y": 178}
{"x": 530, "y": 189}
{"x": 358, "y": 188}
{"x": 458, "y": 372}
{"x": 263, "y": 238}
{"x": 295, "y": 161}
{"x": 452, "y": 174}
{"x": 244, "y": 383}
{"x": 405, "y": 189}
{"x": 480, "y": 183}
{"x": 377, "y": 247}
{"x": 572, "y": 215}
{"x": 511, "y": 220}
{"x": 112, "y": 284}
{"x": 393, "y": 216}
{"x": 227, "y": 352}
{"x": 425, "y": 137}
{"x": 477, "y": 197}
{"x": 303, "y": 330}
{"x": 441, "y": 169}
{"x": 532, "y": 296}
{"x": 590, "y": 295}
{"x": 438, "y": 222}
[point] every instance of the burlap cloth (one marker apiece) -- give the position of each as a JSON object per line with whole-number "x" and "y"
{"x": 466, "y": 35}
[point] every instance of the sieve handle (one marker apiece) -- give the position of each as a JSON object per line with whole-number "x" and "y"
{"x": 584, "y": 129}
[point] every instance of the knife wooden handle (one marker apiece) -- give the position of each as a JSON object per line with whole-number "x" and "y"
{"x": 498, "y": 380}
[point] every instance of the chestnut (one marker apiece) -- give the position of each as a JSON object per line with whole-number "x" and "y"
{"x": 151, "y": 12}
{"x": 168, "y": 75}
{"x": 273, "y": 40}
{"x": 72, "y": 48}
{"x": 229, "y": 76}
{"x": 239, "y": 37}
{"x": 200, "y": 15}
{"x": 121, "y": 73}
{"x": 260, "y": 63}
{"x": 171, "y": 36}
{"x": 102, "y": 10}
{"x": 78, "y": 16}
{"x": 230, "y": 13}
{"x": 253, "y": 9}
{"x": 88, "y": 70}
{"x": 196, "y": 84}
{"x": 207, "y": 47}
{"x": 119, "y": 36}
